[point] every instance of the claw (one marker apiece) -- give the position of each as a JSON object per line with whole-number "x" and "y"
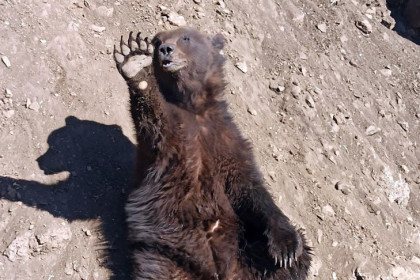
{"x": 138, "y": 37}
{"x": 132, "y": 42}
{"x": 290, "y": 262}
{"x": 275, "y": 260}
{"x": 285, "y": 262}
{"x": 294, "y": 256}
{"x": 281, "y": 262}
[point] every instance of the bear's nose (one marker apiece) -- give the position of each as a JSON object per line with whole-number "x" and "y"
{"x": 166, "y": 49}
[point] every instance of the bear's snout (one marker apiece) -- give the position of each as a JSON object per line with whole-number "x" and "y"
{"x": 166, "y": 50}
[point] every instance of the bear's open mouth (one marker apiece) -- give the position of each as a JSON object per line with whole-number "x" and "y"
{"x": 167, "y": 63}
{"x": 173, "y": 66}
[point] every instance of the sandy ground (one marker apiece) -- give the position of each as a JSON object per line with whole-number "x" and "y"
{"x": 329, "y": 99}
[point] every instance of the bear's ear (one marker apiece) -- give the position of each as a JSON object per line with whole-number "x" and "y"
{"x": 218, "y": 42}
{"x": 71, "y": 120}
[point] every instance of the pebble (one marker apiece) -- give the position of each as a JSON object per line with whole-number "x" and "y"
{"x": 322, "y": 27}
{"x": 371, "y": 130}
{"x": 242, "y": 66}
{"x": 404, "y": 125}
{"x": 197, "y": 1}
{"x": 176, "y": 19}
{"x": 222, "y": 4}
{"x": 8, "y": 93}
{"x": 310, "y": 101}
{"x": 6, "y": 61}
{"x": 343, "y": 39}
{"x": 34, "y": 106}
{"x": 68, "y": 270}
{"x": 276, "y": 86}
{"x": 364, "y": 26}
{"x": 252, "y": 111}
{"x": 386, "y": 72}
{"x": 296, "y": 90}
{"x": 328, "y": 211}
{"x": 104, "y": 11}
{"x": 344, "y": 188}
{"x": 9, "y": 113}
{"x": 319, "y": 236}
{"x": 97, "y": 28}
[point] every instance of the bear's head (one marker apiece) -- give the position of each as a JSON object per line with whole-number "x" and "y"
{"x": 189, "y": 67}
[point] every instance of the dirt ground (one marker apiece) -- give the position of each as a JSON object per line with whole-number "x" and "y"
{"x": 327, "y": 92}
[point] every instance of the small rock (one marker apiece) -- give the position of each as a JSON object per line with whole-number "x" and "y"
{"x": 104, "y": 11}
{"x": 388, "y": 22}
{"x": 242, "y": 66}
{"x": 328, "y": 211}
{"x": 404, "y": 168}
{"x": 176, "y": 19}
{"x": 371, "y": 130}
{"x": 97, "y": 28}
{"x": 9, "y": 113}
{"x": 6, "y": 61}
{"x": 322, "y": 27}
{"x": 8, "y": 93}
{"x": 344, "y": 188}
{"x": 222, "y": 4}
{"x": 296, "y": 90}
{"x": 343, "y": 39}
{"x": 197, "y": 1}
{"x": 276, "y": 86}
{"x": 319, "y": 236}
{"x": 310, "y": 101}
{"x": 386, "y": 72}
{"x": 404, "y": 125}
{"x": 252, "y": 111}
{"x": 364, "y": 26}
{"x": 68, "y": 270}
{"x": 87, "y": 232}
{"x": 272, "y": 175}
{"x": 34, "y": 106}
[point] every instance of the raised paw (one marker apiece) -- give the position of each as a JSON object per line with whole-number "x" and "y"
{"x": 285, "y": 246}
{"x": 134, "y": 56}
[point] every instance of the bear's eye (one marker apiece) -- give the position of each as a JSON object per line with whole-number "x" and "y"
{"x": 186, "y": 39}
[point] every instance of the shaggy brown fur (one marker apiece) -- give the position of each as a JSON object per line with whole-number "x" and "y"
{"x": 202, "y": 211}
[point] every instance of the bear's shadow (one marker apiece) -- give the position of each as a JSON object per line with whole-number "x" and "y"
{"x": 100, "y": 161}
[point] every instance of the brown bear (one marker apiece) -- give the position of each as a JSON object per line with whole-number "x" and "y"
{"x": 202, "y": 210}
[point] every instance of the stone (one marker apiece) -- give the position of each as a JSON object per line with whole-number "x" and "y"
{"x": 310, "y": 101}
{"x": 403, "y": 124}
{"x": 6, "y": 61}
{"x": 386, "y": 72}
{"x": 344, "y": 188}
{"x": 296, "y": 90}
{"x": 372, "y": 130}
{"x": 176, "y": 19}
{"x": 97, "y": 28}
{"x": 328, "y": 211}
{"x": 8, "y": 93}
{"x": 252, "y": 111}
{"x": 364, "y": 25}
{"x": 242, "y": 66}
{"x": 34, "y": 106}
{"x": 322, "y": 27}
{"x": 104, "y": 11}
